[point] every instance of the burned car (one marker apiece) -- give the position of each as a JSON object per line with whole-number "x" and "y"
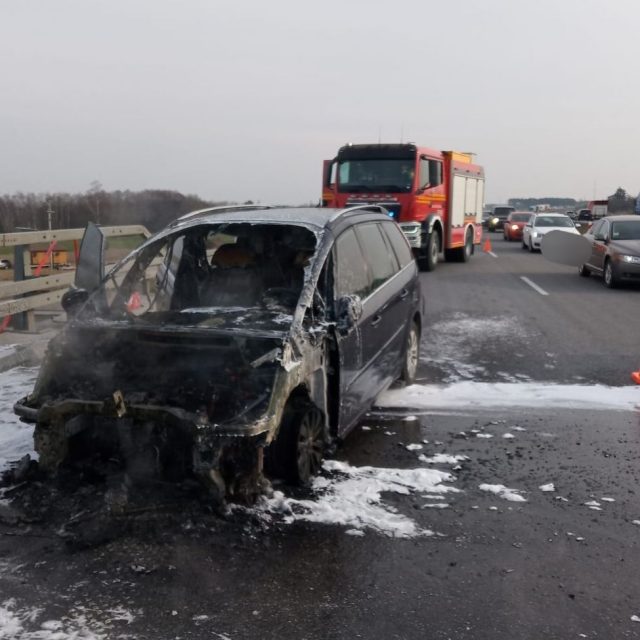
{"x": 235, "y": 340}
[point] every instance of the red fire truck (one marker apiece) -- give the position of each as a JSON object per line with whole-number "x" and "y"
{"x": 436, "y": 197}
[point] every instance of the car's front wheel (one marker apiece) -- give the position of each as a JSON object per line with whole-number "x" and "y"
{"x": 531, "y": 249}
{"x": 297, "y": 452}
{"x": 609, "y": 276}
{"x": 411, "y": 355}
{"x": 583, "y": 270}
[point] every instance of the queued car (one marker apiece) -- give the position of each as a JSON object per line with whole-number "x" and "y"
{"x": 498, "y": 217}
{"x": 233, "y": 337}
{"x": 514, "y": 224}
{"x": 585, "y": 215}
{"x": 615, "y": 250}
{"x": 541, "y": 223}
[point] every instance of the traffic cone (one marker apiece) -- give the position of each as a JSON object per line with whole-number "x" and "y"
{"x": 635, "y": 376}
{"x": 487, "y": 245}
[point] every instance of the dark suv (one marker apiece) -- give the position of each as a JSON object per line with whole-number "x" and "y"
{"x": 232, "y": 337}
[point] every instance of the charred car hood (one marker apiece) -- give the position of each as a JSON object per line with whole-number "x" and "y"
{"x": 200, "y": 365}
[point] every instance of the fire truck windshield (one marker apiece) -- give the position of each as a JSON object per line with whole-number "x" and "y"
{"x": 373, "y": 175}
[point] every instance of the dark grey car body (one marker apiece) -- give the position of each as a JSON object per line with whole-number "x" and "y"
{"x": 615, "y": 249}
{"x": 189, "y": 377}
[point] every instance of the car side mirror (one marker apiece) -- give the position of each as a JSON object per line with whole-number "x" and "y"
{"x": 600, "y": 237}
{"x": 349, "y": 312}
{"x": 73, "y": 299}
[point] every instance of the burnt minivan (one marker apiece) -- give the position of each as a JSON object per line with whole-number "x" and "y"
{"x": 236, "y": 340}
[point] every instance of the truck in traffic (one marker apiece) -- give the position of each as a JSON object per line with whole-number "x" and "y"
{"x": 436, "y": 197}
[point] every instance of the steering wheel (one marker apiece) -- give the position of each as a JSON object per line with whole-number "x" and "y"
{"x": 282, "y": 295}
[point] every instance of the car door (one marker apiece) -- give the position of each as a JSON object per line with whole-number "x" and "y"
{"x": 351, "y": 280}
{"x": 385, "y": 311}
{"x": 600, "y": 240}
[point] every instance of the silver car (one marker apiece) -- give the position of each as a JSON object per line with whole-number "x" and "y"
{"x": 540, "y": 224}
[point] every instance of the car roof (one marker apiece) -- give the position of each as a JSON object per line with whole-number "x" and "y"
{"x": 316, "y": 217}
{"x": 623, "y": 218}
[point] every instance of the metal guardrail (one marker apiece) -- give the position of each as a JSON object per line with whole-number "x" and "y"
{"x": 20, "y": 298}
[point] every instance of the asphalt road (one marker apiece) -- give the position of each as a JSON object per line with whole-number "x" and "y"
{"x": 545, "y": 566}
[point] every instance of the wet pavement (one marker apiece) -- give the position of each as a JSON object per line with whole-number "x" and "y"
{"x": 539, "y": 538}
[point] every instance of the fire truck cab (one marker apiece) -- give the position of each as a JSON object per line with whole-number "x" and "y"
{"x": 436, "y": 197}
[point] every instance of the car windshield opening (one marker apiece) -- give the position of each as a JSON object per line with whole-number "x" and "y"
{"x": 520, "y": 217}
{"x": 553, "y": 221}
{"x": 628, "y": 230}
{"x": 374, "y": 175}
{"x": 212, "y": 270}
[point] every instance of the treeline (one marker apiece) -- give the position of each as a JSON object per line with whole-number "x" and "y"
{"x": 153, "y": 208}
{"x": 524, "y": 204}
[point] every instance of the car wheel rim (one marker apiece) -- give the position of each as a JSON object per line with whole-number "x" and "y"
{"x": 310, "y": 444}
{"x": 412, "y": 354}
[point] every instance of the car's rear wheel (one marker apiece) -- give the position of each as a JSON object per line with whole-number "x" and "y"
{"x": 297, "y": 452}
{"x": 609, "y": 277}
{"x": 583, "y": 270}
{"x": 411, "y": 355}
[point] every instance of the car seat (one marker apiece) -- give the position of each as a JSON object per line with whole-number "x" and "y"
{"x": 235, "y": 279}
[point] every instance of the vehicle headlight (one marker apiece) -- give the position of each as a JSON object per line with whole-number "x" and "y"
{"x": 514, "y": 227}
{"x": 631, "y": 259}
{"x": 536, "y": 234}
{"x": 495, "y": 220}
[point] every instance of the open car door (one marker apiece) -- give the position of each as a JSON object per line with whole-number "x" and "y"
{"x": 90, "y": 268}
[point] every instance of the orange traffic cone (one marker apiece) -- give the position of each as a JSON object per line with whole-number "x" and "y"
{"x": 487, "y": 245}
{"x": 635, "y": 376}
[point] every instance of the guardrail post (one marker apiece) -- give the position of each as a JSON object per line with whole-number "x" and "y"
{"x": 25, "y": 321}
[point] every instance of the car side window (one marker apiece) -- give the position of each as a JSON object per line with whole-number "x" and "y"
{"x": 604, "y": 229}
{"x": 352, "y": 277}
{"x": 596, "y": 228}
{"x": 399, "y": 243}
{"x": 378, "y": 253}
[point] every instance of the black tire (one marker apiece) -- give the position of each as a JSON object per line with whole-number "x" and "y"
{"x": 583, "y": 270}
{"x": 609, "y": 276}
{"x": 411, "y": 355}
{"x": 524, "y": 246}
{"x": 464, "y": 253}
{"x": 297, "y": 452}
{"x": 531, "y": 249}
{"x": 429, "y": 259}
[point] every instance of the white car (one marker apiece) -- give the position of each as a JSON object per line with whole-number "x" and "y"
{"x": 541, "y": 223}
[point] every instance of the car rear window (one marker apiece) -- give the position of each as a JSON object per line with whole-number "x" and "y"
{"x": 399, "y": 243}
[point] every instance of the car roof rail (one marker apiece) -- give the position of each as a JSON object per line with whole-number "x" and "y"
{"x": 375, "y": 208}
{"x": 220, "y": 209}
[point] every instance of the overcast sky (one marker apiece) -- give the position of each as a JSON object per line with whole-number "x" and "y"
{"x": 237, "y": 100}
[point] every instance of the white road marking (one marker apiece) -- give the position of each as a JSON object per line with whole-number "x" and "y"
{"x": 492, "y": 254}
{"x": 534, "y": 286}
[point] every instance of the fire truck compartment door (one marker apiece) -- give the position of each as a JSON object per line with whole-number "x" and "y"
{"x": 458, "y": 200}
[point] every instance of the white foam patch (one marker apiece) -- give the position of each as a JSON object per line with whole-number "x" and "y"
{"x": 547, "y": 487}
{"x": 513, "y": 495}
{"x": 523, "y": 395}
{"x": 414, "y": 447}
{"x": 442, "y": 458}
{"x": 352, "y": 497}
{"x": 79, "y": 624}
{"x": 450, "y": 344}
{"x": 16, "y": 438}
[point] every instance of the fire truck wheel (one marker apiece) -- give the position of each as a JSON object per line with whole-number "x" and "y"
{"x": 467, "y": 250}
{"x": 429, "y": 258}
